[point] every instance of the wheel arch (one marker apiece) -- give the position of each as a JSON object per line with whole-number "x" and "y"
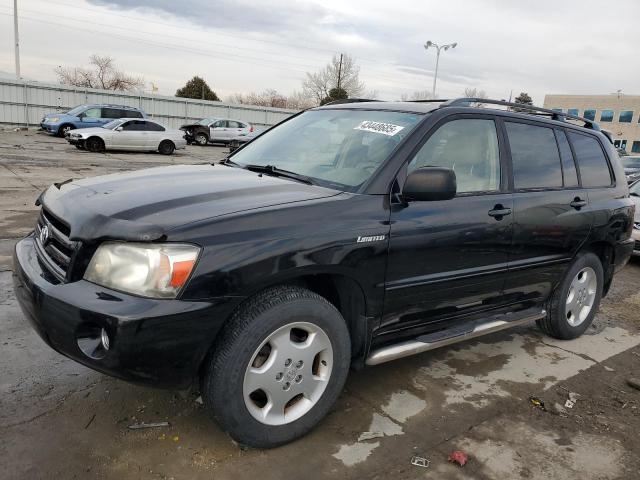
{"x": 605, "y": 251}
{"x": 342, "y": 291}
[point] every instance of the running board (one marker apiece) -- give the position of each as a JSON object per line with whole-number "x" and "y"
{"x": 413, "y": 347}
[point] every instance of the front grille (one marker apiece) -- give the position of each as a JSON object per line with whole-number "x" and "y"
{"x": 53, "y": 246}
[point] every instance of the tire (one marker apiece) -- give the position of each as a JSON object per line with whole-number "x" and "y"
{"x": 166, "y": 147}
{"x": 64, "y": 129}
{"x": 94, "y": 144}
{"x": 202, "y": 139}
{"x": 284, "y": 317}
{"x": 576, "y": 300}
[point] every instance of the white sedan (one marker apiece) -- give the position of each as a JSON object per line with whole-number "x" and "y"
{"x": 128, "y": 134}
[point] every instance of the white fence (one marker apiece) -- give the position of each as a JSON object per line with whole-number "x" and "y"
{"x": 25, "y": 103}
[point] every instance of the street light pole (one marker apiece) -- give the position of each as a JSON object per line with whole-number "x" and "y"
{"x": 439, "y": 49}
{"x": 15, "y": 34}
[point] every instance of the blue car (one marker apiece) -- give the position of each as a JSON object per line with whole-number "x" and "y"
{"x": 87, "y": 116}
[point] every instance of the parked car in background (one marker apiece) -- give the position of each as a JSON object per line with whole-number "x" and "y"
{"x": 127, "y": 134}
{"x": 631, "y": 168}
{"x": 86, "y": 116}
{"x": 634, "y": 192}
{"x": 217, "y": 130}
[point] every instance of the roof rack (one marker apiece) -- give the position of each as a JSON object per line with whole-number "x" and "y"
{"x": 555, "y": 115}
{"x": 350, "y": 100}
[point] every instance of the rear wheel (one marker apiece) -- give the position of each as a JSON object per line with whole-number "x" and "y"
{"x": 575, "y": 302}
{"x": 94, "y": 144}
{"x": 166, "y": 147}
{"x": 202, "y": 139}
{"x": 64, "y": 129}
{"x": 278, "y": 367}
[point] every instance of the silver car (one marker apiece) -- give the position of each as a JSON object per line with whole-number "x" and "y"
{"x": 217, "y": 130}
{"x": 128, "y": 134}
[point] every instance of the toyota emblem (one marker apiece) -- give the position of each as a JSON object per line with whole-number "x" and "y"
{"x": 44, "y": 235}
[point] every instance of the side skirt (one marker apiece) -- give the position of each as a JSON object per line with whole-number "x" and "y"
{"x": 453, "y": 335}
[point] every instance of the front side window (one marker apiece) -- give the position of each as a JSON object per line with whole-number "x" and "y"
{"x": 625, "y": 116}
{"x": 535, "y": 157}
{"x": 340, "y": 148}
{"x": 590, "y": 114}
{"x": 135, "y": 126}
{"x": 93, "y": 113}
{"x": 467, "y": 146}
{"x": 220, "y": 124}
{"x": 606, "y": 116}
{"x": 594, "y": 169}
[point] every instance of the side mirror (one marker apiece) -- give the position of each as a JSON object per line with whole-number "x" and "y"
{"x": 430, "y": 183}
{"x": 118, "y": 129}
{"x": 81, "y": 116}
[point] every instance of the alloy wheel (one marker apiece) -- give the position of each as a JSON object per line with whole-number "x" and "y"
{"x": 288, "y": 373}
{"x": 581, "y": 296}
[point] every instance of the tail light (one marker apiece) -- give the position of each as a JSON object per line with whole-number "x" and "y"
{"x": 251, "y": 129}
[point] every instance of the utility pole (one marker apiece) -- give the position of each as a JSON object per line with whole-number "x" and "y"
{"x": 15, "y": 34}
{"x": 339, "y": 73}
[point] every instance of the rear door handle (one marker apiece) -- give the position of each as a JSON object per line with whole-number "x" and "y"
{"x": 499, "y": 211}
{"x": 578, "y": 203}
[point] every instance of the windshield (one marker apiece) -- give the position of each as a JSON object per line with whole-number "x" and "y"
{"x": 114, "y": 123}
{"x": 75, "y": 111}
{"x": 206, "y": 121}
{"x": 631, "y": 162}
{"x": 338, "y": 148}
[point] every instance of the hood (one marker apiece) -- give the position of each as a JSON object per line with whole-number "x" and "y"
{"x": 145, "y": 204}
{"x": 192, "y": 125}
{"x": 90, "y": 130}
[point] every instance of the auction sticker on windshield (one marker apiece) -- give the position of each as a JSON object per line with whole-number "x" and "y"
{"x": 379, "y": 127}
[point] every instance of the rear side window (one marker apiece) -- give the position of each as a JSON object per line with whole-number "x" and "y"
{"x": 594, "y": 169}
{"x": 467, "y": 146}
{"x": 535, "y": 157}
{"x": 111, "y": 113}
{"x": 568, "y": 165}
{"x": 130, "y": 114}
{"x": 154, "y": 127}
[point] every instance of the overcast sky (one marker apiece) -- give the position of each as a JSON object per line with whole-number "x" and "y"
{"x": 546, "y": 46}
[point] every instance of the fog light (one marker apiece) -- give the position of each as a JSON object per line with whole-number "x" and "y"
{"x": 104, "y": 337}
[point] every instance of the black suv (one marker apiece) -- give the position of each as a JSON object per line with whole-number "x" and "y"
{"x": 347, "y": 235}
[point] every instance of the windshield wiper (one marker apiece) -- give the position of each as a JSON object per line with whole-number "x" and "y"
{"x": 634, "y": 194}
{"x": 228, "y": 161}
{"x": 278, "y": 172}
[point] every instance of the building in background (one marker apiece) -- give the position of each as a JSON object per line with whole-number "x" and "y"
{"x": 616, "y": 113}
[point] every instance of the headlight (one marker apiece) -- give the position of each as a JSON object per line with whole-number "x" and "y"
{"x": 145, "y": 269}
{"x": 52, "y": 119}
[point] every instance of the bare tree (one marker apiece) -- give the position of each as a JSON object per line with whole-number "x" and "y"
{"x": 342, "y": 72}
{"x": 475, "y": 93}
{"x": 416, "y": 96}
{"x": 103, "y": 74}
{"x": 271, "y": 98}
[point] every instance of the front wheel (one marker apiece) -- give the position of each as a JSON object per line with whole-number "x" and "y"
{"x": 94, "y": 144}
{"x": 202, "y": 139}
{"x": 278, "y": 367}
{"x": 576, "y": 300}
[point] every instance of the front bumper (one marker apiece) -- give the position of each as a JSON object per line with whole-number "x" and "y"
{"x": 50, "y": 127}
{"x": 152, "y": 341}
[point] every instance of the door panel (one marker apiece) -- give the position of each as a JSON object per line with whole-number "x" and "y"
{"x": 448, "y": 259}
{"x": 548, "y": 232}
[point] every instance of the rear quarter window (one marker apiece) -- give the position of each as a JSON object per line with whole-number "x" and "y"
{"x": 594, "y": 168}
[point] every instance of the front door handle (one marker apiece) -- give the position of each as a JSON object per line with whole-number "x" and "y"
{"x": 578, "y": 203}
{"x": 499, "y": 211}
